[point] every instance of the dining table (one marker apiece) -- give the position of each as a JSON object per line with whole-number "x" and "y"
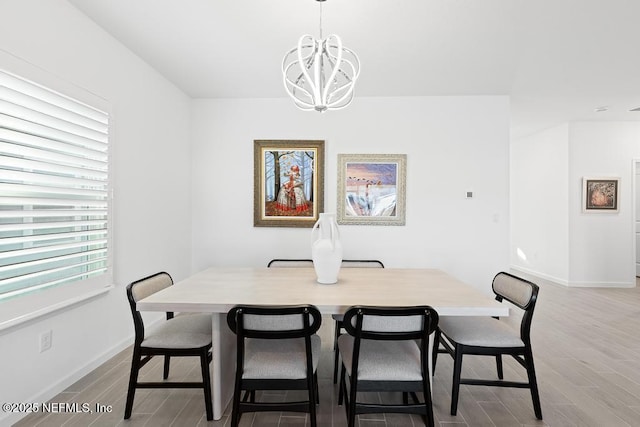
{"x": 216, "y": 290}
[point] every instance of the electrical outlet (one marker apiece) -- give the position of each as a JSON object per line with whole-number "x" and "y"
{"x": 45, "y": 340}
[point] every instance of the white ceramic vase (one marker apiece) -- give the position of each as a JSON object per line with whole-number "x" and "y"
{"x": 326, "y": 249}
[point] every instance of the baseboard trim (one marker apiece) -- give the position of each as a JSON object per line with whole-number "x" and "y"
{"x": 568, "y": 284}
{"x": 602, "y": 285}
{"x": 64, "y": 383}
{"x": 544, "y": 276}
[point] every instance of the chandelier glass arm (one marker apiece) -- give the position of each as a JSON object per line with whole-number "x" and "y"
{"x": 335, "y": 69}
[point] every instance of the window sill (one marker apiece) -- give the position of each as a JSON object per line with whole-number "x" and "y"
{"x": 17, "y": 311}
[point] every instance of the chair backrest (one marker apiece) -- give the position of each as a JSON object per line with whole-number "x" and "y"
{"x": 362, "y": 263}
{"x": 390, "y": 323}
{"x": 141, "y": 289}
{"x": 519, "y": 292}
{"x": 290, "y": 263}
{"x": 274, "y": 322}
{"x": 271, "y": 322}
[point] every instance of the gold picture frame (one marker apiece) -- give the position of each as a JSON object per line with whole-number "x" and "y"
{"x": 288, "y": 182}
{"x": 371, "y": 189}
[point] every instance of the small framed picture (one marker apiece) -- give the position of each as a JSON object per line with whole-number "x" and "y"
{"x": 600, "y": 194}
{"x": 371, "y": 189}
{"x": 288, "y": 184}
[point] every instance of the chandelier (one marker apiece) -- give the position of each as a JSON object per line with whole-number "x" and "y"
{"x": 319, "y": 74}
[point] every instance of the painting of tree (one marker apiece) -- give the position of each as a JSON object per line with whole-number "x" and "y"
{"x": 600, "y": 194}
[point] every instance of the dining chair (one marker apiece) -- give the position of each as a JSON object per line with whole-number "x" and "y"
{"x": 290, "y": 263}
{"x": 277, "y": 349}
{"x": 187, "y": 335}
{"x": 488, "y": 336}
{"x": 348, "y": 263}
{"x": 386, "y": 349}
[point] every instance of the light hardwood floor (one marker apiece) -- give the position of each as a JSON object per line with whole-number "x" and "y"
{"x": 586, "y": 346}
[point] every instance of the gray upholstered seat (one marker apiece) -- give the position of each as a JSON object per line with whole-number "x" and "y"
{"x": 383, "y": 360}
{"x": 182, "y": 331}
{"x": 285, "y": 358}
{"x": 480, "y": 331}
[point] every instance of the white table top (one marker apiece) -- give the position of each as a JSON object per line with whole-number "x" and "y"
{"x": 218, "y": 289}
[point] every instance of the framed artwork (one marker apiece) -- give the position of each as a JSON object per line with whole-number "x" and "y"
{"x": 288, "y": 184}
{"x": 371, "y": 189}
{"x": 600, "y": 194}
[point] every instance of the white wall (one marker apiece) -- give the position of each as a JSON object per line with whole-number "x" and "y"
{"x": 539, "y": 204}
{"x": 150, "y": 157}
{"x": 637, "y": 215}
{"x": 452, "y": 144}
{"x": 564, "y": 244}
{"x": 602, "y": 243}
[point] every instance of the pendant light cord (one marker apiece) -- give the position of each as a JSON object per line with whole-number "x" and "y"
{"x": 320, "y": 19}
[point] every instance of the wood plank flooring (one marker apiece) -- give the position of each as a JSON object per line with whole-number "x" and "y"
{"x": 586, "y": 346}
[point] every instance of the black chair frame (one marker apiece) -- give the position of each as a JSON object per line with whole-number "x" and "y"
{"x": 312, "y": 320}
{"x": 352, "y": 406}
{"x": 523, "y": 355}
{"x": 142, "y": 355}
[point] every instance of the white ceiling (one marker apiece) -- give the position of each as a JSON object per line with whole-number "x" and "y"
{"x": 557, "y": 59}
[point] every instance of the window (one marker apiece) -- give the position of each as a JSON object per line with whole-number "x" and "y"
{"x": 54, "y": 189}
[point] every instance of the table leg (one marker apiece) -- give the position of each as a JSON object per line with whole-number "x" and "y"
{"x": 223, "y": 364}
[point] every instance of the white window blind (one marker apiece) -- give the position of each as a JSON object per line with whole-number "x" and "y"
{"x": 54, "y": 192}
